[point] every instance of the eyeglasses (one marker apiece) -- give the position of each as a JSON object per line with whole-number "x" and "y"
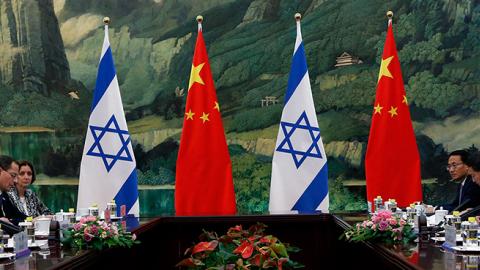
{"x": 453, "y": 166}
{"x": 12, "y": 174}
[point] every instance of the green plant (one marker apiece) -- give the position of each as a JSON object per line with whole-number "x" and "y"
{"x": 240, "y": 249}
{"x": 90, "y": 232}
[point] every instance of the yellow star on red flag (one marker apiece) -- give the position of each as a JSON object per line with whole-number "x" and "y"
{"x": 204, "y": 117}
{"x": 195, "y": 75}
{"x": 378, "y": 109}
{"x": 393, "y": 111}
{"x": 189, "y": 114}
{"x": 217, "y": 106}
{"x": 384, "y": 68}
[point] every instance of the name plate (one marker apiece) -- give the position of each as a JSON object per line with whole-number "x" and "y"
{"x": 20, "y": 244}
{"x": 450, "y": 235}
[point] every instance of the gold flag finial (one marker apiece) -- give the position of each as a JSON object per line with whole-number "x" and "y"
{"x": 106, "y": 20}
{"x": 199, "y": 18}
{"x": 390, "y": 14}
{"x": 298, "y": 16}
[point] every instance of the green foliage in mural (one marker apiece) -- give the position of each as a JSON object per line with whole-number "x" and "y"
{"x": 341, "y": 199}
{"x": 443, "y": 97}
{"x": 32, "y": 108}
{"x": 64, "y": 161}
{"x": 251, "y": 175}
{"x": 256, "y": 118}
{"x": 157, "y": 166}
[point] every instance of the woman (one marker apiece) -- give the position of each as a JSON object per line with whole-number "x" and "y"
{"x": 23, "y": 198}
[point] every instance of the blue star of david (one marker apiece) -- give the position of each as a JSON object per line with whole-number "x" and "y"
{"x": 96, "y": 149}
{"x": 286, "y": 145}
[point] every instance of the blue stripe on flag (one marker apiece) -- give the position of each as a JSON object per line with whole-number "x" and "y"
{"x": 128, "y": 194}
{"x": 105, "y": 75}
{"x": 314, "y": 194}
{"x": 297, "y": 71}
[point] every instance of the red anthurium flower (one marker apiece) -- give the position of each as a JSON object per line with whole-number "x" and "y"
{"x": 235, "y": 231}
{"x": 258, "y": 259}
{"x": 245, "y": 249}
{"x": 253, "y": 238}
{"x": 281, "y": 261}
{"x": 205, "y": 246}
{"x": 255, "y": 260}
{"x": 266, "y": 239}
{"x": 189, "y": 262}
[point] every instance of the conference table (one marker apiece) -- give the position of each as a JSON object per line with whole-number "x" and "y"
{"x": 164, "y": 240}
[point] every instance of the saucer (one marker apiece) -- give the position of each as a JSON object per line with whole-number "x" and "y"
{"x": 7, "y": 255}
{"x": 35, "y": 244}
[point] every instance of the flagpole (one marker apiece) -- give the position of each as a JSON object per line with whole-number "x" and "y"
{"x": 199, "y": 20}
{"x": 390, "y": 17}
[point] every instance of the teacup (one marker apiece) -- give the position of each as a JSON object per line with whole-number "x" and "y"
{"x": 42, "y": 226}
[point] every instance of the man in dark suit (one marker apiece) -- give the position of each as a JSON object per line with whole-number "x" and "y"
{"x": 468, "y": 193}
{"x": 8, "y": 173}
{"x": 474, "y": 171}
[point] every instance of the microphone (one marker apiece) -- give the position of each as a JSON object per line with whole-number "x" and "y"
{"x": 462, "y": 205}
{"x": 10, "y": 228}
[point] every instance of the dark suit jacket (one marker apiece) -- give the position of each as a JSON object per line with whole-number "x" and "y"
{"x": 9, "y": 210}
{"x": 470, "y": 196}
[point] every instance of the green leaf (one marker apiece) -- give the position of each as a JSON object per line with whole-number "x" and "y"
{"x": 279, "y": 248}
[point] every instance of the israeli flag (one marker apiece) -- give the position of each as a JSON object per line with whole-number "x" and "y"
{"x": 108, "y": 168}
{"x": 299, "y": 171}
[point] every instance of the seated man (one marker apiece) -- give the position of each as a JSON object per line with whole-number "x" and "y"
{"x": 8, "y": 172}
{"x": 468, "y": 193}
{"x": 474, "y": 164}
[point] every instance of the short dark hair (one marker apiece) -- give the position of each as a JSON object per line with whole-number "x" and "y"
{"x": 464, "y": 155}
{"x": 23, "y": 163}
{"x": 474, "y": 161}
{"x": 6, "y": 162}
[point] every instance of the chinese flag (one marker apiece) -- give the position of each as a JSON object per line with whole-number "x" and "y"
{"x": 204, "y": 184}
{"x": 392, "y": 162}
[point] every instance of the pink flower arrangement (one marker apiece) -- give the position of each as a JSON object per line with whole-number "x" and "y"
{"x": 382, "y": 226}
{"x": 90, "y": 232}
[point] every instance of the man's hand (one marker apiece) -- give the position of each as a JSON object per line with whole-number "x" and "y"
{"x": 465, "y": 211}
{"x": 4, "y": 219}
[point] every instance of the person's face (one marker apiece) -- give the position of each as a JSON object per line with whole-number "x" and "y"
{"x": 24, "y": 176}
{"x": 7, "y": 177}
{"x": 457, "y": 169}
{"x": 475, "y": 176}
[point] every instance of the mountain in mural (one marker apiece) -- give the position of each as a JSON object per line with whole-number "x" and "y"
{"x": 34, "y": 70}
{"x": 32, "y": 47}
{"x": 250, "y": 44}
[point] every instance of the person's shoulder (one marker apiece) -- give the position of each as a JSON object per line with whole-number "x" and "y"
{"x": 472, "y": 185}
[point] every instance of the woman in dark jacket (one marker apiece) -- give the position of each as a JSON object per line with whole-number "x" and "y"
{"x": 23, "y": 198}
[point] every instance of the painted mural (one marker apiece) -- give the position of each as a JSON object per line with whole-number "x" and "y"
{"x": 50, "y": 51}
